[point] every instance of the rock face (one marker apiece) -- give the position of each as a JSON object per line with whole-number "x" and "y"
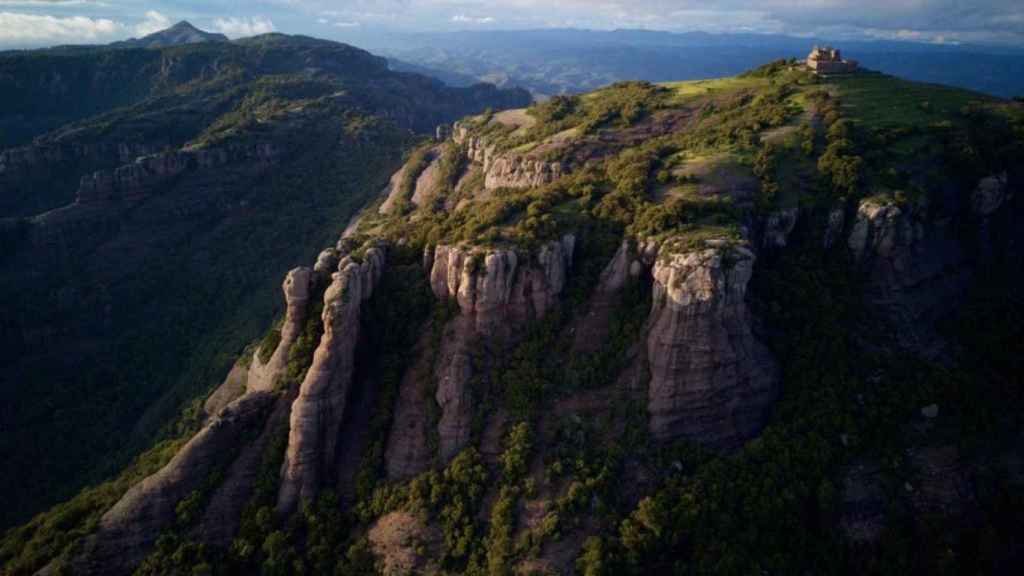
{"x": 916, "y": 264}
{"x": 222, "y": 518}
{"x": 319, "y": 410}
{"x": 778, "y": 226}
{"x": 510, "y": 171}
{"x": 127, "y": 531}
{"x": 41, "y": 156}
{"x": 711, "y": 380}
{"x": 990, "y": 195}
{"x": 147, "y": 173}
{"x": 296, "y": 289}
{"x": 496, "y": 290}
{"x": 408, "y": 450}
{"x": 506, "y": 170}
{"x": 881, "y": 228}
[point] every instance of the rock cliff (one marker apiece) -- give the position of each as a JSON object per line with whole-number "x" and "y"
{"x": 506, "y": 169}
{"x": 711, "y": 379}
{"x": 918, "y": 259}
{"x": 146, "y": 173}
{"x": 319, "y": 409}
{"x": 296, "y": 287}
{"x": 496, "y": 290}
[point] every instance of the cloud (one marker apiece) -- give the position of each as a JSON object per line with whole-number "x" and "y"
{"x": 463, "y": 19}
{"x": 20, "y": 28}
{"x": 916, "y": 20}
{"x": 236, "y": 27}
{"x": 919, "y": 20}
{"x": 51, "y": 3}
{"x": 154, "y": 22}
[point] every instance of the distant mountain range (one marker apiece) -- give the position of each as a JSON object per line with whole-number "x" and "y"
{"x": 557, "y": 61}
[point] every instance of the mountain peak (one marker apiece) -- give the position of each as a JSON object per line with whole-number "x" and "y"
{"x": 181, "y": 33}
{"x": 183, "y": 25}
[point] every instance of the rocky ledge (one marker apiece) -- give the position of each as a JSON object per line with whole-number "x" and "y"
{"x": 506, "y": 169}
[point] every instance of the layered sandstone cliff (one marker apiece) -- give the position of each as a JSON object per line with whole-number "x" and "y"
{"x": 147, "y": 173}
{"x": 918, "y": 258}
{"x": 497, "y": 291}
{"x": 506, "y": 169}
{"x": 319, "y": 409}
{"x": 711, "y": 379}
{"x": 37, "y": 157}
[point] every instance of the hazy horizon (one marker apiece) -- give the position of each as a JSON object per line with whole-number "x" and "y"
{"x": 40, "y": 23}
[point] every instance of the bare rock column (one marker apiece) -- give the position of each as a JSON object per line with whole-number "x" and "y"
{"x": 296, "y": 289}
{"x": 319, "y": 410}
{"x": 711, "y": 380}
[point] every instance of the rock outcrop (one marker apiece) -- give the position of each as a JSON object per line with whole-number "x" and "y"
{"x": 408, "y": 450}
{"x": 711, "y": 379}
{"x": 43, "y": 156}
{"x": 506, "y": 169}
{"x": 319, "y": 410}
{"x": 222, "y": 517}
{"x": 148, "y": 173}
{"x": 778, "y": 226}
{"x": 511, "y": 171}
{"x": 296, "y": 287}
{"x": 496, "y": 290}
{"x": 128, "y": 530}
{"x": 989, "y": 195}
{"x": 915, "y": 264}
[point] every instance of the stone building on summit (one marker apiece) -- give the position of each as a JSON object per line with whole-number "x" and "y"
{"x": 828, "y": 60}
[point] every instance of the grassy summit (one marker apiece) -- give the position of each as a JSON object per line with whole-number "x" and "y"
{"x": 694, "y": 157}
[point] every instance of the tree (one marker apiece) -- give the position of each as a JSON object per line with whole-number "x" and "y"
{"x": 591, "y": 561}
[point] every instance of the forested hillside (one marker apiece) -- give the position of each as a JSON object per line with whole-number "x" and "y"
{"x": 150, "y": 201}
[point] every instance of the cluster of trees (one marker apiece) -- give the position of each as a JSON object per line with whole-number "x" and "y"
{"x": 840, "y": 163}
{"x": 620, "y": 105}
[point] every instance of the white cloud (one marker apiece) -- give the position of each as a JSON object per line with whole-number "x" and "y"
{"x": 154, "y": 22}
{"x": 463, "y": 19}
{"x": 19, "y": 28}
{"x": 345, "y": 24}
{"x": 236, "y": 27}
{"x": 52, "y": 3}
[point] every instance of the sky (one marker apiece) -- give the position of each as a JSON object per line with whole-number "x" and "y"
{"x": 33, "y": 23}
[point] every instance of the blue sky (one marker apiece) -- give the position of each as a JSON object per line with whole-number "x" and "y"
{"x": 25, "y": 23}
